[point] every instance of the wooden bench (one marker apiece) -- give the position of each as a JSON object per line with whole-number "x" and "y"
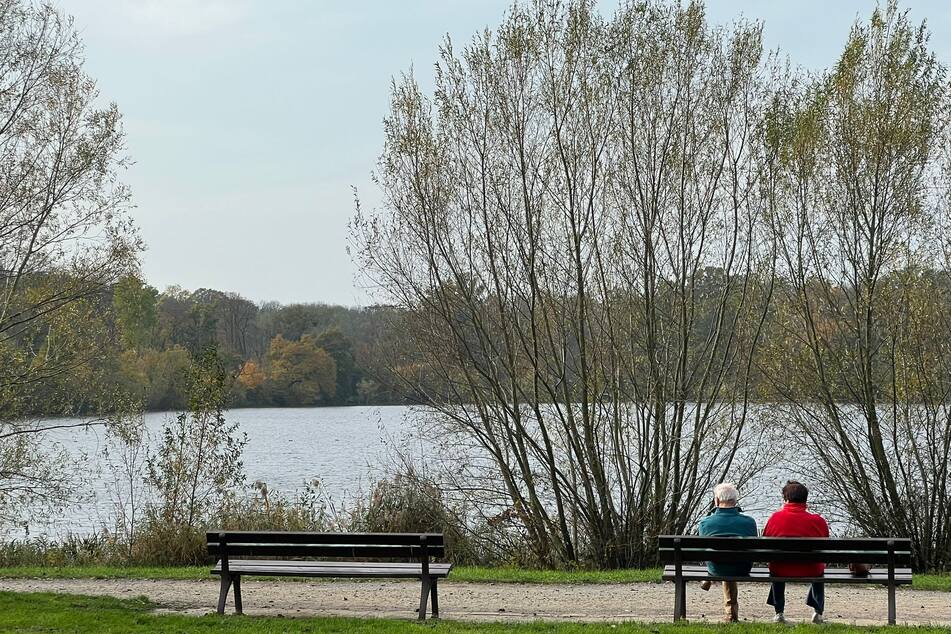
{"x": 685, "y": 557}
{"x": 414, "y": 549}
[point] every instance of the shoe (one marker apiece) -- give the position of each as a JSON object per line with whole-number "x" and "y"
{"x": 705, "y": 585}
{"x": 817, "y": 618}
{"x": 779, "y": 618}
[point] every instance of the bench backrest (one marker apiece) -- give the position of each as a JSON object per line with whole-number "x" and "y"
{"x": 875, "y": 550}
{"x": 414, "y": 546}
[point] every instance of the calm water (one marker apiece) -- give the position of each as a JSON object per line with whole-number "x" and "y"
{"x": 343, "y": 447}
{"x": 346, "y": 448}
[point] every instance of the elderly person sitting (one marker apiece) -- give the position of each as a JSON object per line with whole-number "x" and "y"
{"x": 793, "y": 520}
{"x": 727, "y": 521}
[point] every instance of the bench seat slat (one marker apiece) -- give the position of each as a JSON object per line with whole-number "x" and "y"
{"x": 307, "y": 562}
{"x": 298, "y": 537}
{"x": 689, "y": 553}
{"x": 259, "y": 567}
{"x": 786, "y": 543}
{"x": 761, "y": 574}
{"x": 242, "y": 549}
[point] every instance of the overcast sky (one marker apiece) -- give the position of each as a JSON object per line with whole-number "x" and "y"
{"x": 250, "y": 121}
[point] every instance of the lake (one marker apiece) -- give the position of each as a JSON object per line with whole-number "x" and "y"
{"x": 343, "y": 447}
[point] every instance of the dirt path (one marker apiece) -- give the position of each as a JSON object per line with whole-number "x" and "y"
{"x": 503, "y": 602}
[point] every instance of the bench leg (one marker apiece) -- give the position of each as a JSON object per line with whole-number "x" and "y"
{"x": 223, "y": 595}
{"x": 891, "y": 604}
{"x": 676, "y": 599}
{"x": 435, "y": 598}
{"x": 423, "y": 597}
{"x": 680, "y": 600}
{"x": 237, "y": 595}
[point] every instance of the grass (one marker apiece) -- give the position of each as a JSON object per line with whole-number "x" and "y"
{"x": 105, "y": 572}
{"x": 521, "y": 575}
{"x": 44, "y": 612}
{"x": 461, "y": 574}
{"x": 939, "y": 582}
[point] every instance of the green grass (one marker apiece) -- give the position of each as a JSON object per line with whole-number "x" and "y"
{"x": 105, "y": 572}
{"x": 940, "y": 582}
{"x": 461, "y": 574}
{"x": 43, "y": 612}
{"x": 520, "y": 575}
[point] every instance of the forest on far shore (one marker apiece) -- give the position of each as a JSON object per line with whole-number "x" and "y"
{"x": 295, "y": 355}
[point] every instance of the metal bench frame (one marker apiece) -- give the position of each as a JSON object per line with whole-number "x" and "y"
{"x": 678, "y": 550}
{"x": 413, "y": 549}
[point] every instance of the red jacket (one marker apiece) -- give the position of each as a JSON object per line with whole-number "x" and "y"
{"x": 793, "y": 520}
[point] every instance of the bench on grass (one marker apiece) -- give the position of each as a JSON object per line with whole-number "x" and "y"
{"x": 685, "y": 557}
{"x": 346, "y": 555}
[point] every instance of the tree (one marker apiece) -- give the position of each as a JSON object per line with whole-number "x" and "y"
{"x": 249, "y": 385}
{"x": 251, "y": 376}
{"x": 133, "y": 303}
{"x": 65, "y": 233}
{"x": 158, "y": 379}
{"x": 296, "y": 320}
{"x": 864, "y": 304}
{"x": 300, "y": 373}
{"x": 237, "y": 321}
{"x": 549, "y": 217}
{"x": 201, "y": 327}
{"x": 340, "y": 348}
{"x": 65, "y": 230}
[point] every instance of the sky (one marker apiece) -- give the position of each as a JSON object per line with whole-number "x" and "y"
{"x": 249, "y": 122}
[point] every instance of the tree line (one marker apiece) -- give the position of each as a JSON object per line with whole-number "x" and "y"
{"x": 273, "y": 355}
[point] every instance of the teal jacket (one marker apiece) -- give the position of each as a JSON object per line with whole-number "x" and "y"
{"x": 728, "y": 522}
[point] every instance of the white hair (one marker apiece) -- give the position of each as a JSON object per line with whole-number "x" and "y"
{"x": 726, "y": 492}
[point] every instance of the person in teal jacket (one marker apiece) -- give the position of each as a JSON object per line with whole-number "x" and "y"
{"x": 727, "y": 520}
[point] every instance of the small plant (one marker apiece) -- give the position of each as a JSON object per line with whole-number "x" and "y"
{"x": 126, "y": 453}
{"x": 195, "y": 469}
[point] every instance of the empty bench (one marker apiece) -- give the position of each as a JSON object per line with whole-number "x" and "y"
{"x": 354, "y": 555}
{"x": 685, "y": 557}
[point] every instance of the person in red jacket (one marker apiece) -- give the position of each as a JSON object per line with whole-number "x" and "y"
{"x": 793, "y": 520}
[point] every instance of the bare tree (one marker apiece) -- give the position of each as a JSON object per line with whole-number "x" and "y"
{"x": 569, "y": 229}
{"x": 863, "y": 315}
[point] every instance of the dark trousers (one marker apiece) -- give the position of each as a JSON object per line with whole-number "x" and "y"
{"x": 816, "y": 599}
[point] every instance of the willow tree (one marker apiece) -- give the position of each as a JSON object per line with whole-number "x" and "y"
{"x": 864, "y": 311}
{"x": 65, "y": 234}
{"x": 569, "y": 227}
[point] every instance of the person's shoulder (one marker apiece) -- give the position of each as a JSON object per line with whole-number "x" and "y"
{"x": 705, "y": 523}
{"x": 771, "y": 524}
{"x": 750, "y": 523}
{"x": 820, "y": 521}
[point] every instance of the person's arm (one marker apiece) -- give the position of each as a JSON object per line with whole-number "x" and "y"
{"x": 768, "y": 529}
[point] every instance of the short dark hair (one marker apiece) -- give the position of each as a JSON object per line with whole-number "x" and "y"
{"x": 795, "y": 492}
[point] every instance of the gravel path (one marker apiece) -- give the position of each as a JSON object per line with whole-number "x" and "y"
{"x": 503, "y": 601}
